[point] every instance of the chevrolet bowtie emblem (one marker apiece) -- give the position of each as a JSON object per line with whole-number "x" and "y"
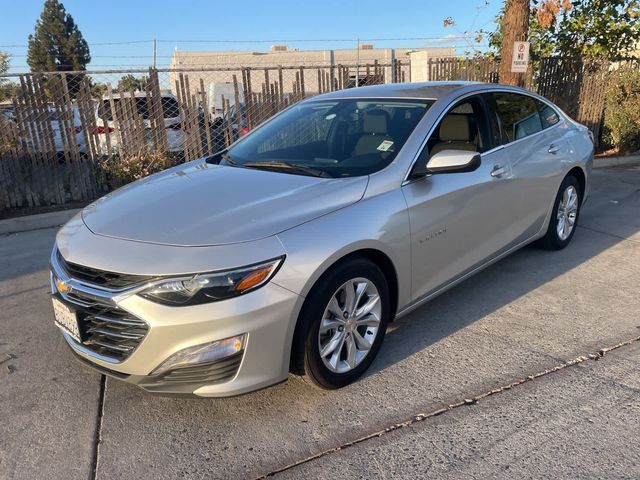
{"x": 62, "y": 286}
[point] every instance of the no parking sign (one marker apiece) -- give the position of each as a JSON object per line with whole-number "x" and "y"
{"x": 520, "y": 59}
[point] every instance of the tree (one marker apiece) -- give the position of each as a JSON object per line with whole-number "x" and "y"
{"x": 128, "y": 83}
{"x": 587, "y": 28}
{"x": 57, "y": 44}
{"x": 7, "y": 89}
{"x": 515, "y": 28}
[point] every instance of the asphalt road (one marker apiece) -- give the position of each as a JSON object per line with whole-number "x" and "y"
{"x": 529, "y": 314}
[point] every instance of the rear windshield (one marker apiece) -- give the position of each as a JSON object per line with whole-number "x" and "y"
{"x": 170, "y": 107}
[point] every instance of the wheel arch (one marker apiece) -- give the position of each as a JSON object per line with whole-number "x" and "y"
{"x": 579, "y": 174}
{"x": 375, "y": 256}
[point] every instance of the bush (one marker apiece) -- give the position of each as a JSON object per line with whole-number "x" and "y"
{"x": 118, "y": 171}
{"x": 622, "y": 111}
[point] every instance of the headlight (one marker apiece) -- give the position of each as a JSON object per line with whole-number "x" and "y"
{"x": 212, "y": 287}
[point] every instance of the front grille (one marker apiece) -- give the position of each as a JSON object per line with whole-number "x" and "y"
{"x": 107, "y": 329}
{"x": 101, "y": 278}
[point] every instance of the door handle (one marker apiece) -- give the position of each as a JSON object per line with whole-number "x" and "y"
{"x": 553, "y": 148}
{"x": 498, "y": 171}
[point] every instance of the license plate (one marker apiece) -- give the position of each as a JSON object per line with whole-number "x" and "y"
{"x": 66, "y": 319}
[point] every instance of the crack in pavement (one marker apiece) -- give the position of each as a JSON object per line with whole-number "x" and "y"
{"x": 609, "y": 234}
{"x": 97, "y": 438}
{"x": 467, "y": 401}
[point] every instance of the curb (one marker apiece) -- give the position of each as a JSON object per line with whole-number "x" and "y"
{"x": 603, "y": 162}
{"x": 36, "y": 222}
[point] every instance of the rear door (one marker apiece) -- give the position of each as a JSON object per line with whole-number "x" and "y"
{"x": 536, "y": 147}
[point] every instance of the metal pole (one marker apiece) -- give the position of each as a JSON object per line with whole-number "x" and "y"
{"x": 394, "y": 70}
{"x": 357, "y": 61}
{"x": 155, "y": 51}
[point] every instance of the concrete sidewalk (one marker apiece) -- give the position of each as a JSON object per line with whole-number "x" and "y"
{"x": 579, "y": 423}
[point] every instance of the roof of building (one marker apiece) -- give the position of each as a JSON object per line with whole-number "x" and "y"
{"x": 226, "y": 58}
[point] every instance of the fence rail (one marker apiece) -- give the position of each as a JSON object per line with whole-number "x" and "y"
{"x": 59, "y": 130}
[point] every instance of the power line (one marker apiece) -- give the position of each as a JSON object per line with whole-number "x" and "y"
{"x": 444, "y": 38}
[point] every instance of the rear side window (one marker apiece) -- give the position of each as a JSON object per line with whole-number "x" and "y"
{"x": 518, "y": 115}
{"x": 548, "y": 115}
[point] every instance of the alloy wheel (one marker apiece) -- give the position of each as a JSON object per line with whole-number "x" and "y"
{"x": 349, "y": 325}
{"x": 567, "y": 213}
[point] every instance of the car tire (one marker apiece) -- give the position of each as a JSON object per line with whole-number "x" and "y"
{"x": 564, "y": 216}
{"x": 357, "y": 328}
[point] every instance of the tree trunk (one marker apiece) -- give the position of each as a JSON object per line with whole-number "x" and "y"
{"x": 516, "y": 28}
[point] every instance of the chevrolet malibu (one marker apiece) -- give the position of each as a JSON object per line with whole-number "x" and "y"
{"x": 292, "y": 250}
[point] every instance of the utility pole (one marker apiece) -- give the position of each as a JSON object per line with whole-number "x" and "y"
{"x": 515, "y": 28}
{"x": 155, "y": 51}
{"x": 357, "y": 61}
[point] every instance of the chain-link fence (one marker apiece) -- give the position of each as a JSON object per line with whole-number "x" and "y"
{"x": 73, "y": 136}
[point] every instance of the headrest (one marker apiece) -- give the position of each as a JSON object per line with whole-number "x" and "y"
{"x": 375, "y": 121}
{"x": 454, "y": 128}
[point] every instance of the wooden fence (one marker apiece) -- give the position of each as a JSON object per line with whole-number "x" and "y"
{"x": 56, "y": 133}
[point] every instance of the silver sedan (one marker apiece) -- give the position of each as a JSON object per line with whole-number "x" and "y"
{"x": 292, "y": 250}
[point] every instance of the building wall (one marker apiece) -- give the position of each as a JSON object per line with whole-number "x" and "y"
{"x": 306, "y": 58}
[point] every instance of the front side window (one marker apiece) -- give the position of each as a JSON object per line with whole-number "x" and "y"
{"x": 331, "y": 138}
{"x": 518, "y": 115}
{"x": 464, "y": 127}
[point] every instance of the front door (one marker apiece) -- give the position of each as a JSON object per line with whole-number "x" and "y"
{"x": 458, "y": 219}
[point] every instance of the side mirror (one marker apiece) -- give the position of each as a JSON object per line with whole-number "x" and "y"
{"x": 453, "y": 161}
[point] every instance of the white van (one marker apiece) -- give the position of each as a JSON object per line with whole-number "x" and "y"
{"x": 216, "y": 92}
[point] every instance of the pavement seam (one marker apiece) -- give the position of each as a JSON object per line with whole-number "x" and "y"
{"x": 97, "y": 437}
{"x": 609, "y": 234}
{"x": 467, "y": 401}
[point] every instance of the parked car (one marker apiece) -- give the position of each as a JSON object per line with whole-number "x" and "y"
{"x": 37, "y": 138}
{"x": 77, "y": 131}
{"x": 294, "y": 249}
{"x": 7, "y": 112}
{"x": 171, "y": 113}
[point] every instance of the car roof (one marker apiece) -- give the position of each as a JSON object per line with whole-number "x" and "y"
{"x": 419, "y": 90}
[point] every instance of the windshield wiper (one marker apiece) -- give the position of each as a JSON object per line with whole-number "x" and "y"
{"x": 277, "y": 165}
{"x": 216, "y": 158}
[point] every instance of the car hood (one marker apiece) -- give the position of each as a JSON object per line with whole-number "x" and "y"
{"x": 198, "y": 204}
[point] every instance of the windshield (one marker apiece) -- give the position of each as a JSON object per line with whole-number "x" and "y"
{"x": 336, "y": 138}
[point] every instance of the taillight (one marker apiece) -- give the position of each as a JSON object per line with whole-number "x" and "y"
{"x": 175, "y": 126}
{"x": 102, "y": 130}
{"x": 78, "y": 129}
{"x": 244, "y": 131}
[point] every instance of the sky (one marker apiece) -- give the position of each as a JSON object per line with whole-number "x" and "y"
{"x": 120, "y": 32}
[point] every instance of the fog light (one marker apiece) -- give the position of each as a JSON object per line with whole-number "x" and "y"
{"x": 205, "y": 353}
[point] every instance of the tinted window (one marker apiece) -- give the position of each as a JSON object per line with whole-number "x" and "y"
{"x": 548, "y": 115}
{"x": 340, "y": 138}
{"x": 518, "y": 115}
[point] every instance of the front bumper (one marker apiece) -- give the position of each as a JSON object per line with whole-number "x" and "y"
{"x": 267, "y": 316}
